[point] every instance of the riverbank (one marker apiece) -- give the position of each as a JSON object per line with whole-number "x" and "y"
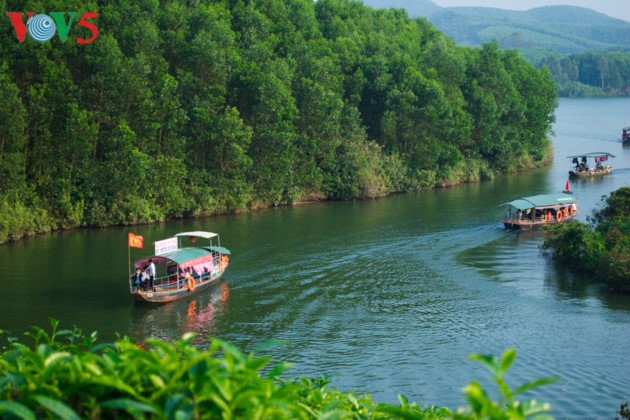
{"x": 18, "y": 220}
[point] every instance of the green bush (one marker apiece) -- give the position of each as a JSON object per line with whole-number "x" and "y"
{"x": 66, "y": 374}
{"x": 614, "y": 267}
{"x": 18, "y": 220}
{"x": 576, "y": 244}
{"x": 617, "y": 206}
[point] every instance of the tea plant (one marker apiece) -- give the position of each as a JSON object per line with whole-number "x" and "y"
{"x": 65, "y": 374}
{"x": 482, "y": 406}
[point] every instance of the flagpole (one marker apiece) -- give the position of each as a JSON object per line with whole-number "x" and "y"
{"x": 129, "y": 261}
{"x": 138, "y": 242}
{"x": 128, "y": 256}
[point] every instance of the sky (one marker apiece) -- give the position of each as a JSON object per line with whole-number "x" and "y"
{"x": 619, "y": 9}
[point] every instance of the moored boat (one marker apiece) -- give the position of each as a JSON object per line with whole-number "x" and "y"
{"x": 580, "y": 166}
{"x": 540, "y": 210}
{"x": 180, "y": 271}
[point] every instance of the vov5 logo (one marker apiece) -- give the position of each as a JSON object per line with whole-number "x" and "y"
{"x": 43, "y": 27}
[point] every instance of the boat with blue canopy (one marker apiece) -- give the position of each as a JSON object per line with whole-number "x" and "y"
{"x": 540, "y": 210}
{"x": 181, "y": 267}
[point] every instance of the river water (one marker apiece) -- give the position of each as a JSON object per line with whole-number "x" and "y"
{"x": 385, "y": 296}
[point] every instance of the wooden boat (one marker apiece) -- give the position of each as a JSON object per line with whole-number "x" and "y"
{"x": 181, "y": 271}
{"x": 582, "y": 167}
{"x": 540, "y": 210}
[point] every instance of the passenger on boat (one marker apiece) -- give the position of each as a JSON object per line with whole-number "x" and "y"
{"x": 543, "y": 216}
{"x": 136, "y": 278}
{"x": 151, "y": 274}
{"x": 145, "y": 277}
{"x": 183, "y": 276}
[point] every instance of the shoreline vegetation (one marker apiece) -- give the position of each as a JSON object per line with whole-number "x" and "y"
{"x": 601, "y": 247}
{"x": 589, "y": 74}
{"x": 66, "y": 374}
{"x": 179, "y": 111}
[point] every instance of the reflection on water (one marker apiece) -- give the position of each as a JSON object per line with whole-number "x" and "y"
{"x": 508, "y": 258}
{"x": 565, "y": 322}
{"x": 200, "y": 317}
{"x": 572, "y": 285}
{"x": 170, "y": 321}
{"x": 518, "y": 258}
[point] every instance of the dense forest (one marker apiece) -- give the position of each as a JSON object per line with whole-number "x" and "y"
{"x": 185, "y": 108}
{"x": 603, "y": 73}
{"x": 600, "y": 248}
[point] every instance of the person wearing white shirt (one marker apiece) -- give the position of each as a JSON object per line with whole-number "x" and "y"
{"x": 151, "y": 274}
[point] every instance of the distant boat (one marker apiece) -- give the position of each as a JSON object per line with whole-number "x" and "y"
{"x": 625, "y": 133}
{"x": 540, "y": 210}
{"x": 580, "y": 166}
{"x": 180, "y": 271}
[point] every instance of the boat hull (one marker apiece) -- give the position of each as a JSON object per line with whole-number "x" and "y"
{"x": 587, "y": 174}
{"x": 165, "y": 296}
{"x": 537, "y": 224}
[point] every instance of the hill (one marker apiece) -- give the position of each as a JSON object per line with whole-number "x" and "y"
{"x": 415, "y": 8}
{"x": 562, "y": 29}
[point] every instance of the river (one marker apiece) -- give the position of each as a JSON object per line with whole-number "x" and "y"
{"x": 384, "y": 296}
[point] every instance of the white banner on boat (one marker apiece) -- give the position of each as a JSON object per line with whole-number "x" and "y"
{"x": 165, "y": 245}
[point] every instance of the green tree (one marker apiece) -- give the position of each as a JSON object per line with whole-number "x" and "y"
{"x": 12, "y": 136}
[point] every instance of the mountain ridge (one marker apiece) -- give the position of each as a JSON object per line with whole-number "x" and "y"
{"x": 560, "y": 28}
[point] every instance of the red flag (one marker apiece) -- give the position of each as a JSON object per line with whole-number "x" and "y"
{"x": 135, "y": 241}
{"x": 567, "y": 187}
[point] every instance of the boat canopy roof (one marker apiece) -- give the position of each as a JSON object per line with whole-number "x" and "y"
{"x": 199, "y": 234}
{"x": 219, "y": 249}
{"x": 591, "y": 155}
{"x": 184, "y": 257}
{"x": 543, "y": 200}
